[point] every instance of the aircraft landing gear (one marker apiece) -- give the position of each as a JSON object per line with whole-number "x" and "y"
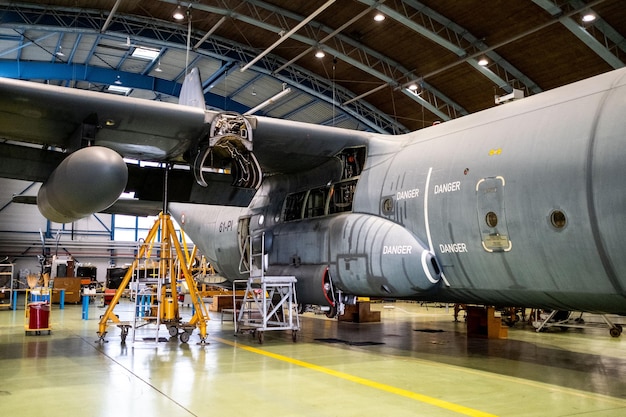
{"x": 616, "y": 330}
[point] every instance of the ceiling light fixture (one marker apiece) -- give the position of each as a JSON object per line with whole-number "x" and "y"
{"x": 483, "y": 62}
{"x": 178, "y": 14}
{"x": 117, "y": 81}
{"x": 144, "y": 52}
{"x": 158, "y": 68}
{"x": 286, "y": 90}
{"x": 379, "y": 17}
{"x": 119, "y": 89}
{"x": 319, "y": 54}
{"x": 588, "y": 17}
{"x": 413, "y": 87}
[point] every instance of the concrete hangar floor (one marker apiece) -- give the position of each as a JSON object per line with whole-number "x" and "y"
{"x": 417, "y": 361}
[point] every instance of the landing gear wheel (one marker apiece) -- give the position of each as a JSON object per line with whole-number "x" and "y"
{"x": 615, "y": 331}
{"x": 184, "y": 337}
{"x": 173, "y": 330}
{"x": 332, "y": 313}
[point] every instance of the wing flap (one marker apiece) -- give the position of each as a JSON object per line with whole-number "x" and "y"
{"x": 39, "y": 162}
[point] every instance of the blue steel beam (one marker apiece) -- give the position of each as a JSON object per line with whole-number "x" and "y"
{"x": 49, "y": 71}
{"x": 218, "y": 75}
{"x": 173, "y": 36}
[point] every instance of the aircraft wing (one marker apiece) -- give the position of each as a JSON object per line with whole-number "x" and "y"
{"x": 286, "y": 146}
{"x": 62, "y": 117}
{"x": 43, "y": 127}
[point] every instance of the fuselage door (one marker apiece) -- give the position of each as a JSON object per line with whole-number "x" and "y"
{"x": 492, "y": 214}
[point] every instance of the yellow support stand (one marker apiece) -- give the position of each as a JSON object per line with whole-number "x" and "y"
{"x": 168, "y": 240}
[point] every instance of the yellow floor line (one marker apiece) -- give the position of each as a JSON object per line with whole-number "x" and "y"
{"x": 366, "y": 382}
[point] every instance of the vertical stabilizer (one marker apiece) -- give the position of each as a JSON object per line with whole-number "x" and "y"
{"x": 191, "y": 93}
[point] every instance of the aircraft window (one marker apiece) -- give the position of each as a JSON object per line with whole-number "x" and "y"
{"x": 316, "y": 202}
{"x": 387, "y": 205}
{"x": 558, "y": 220}
{"x": 492, "y": 219}
{"x": 293, "y": 206}
{"x": 341, "y": 196}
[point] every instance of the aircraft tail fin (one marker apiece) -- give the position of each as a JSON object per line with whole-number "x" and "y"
{"x": 191, "y": 93}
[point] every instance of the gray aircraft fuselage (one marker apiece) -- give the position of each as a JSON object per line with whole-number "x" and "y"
{"x": 520, "y": 205}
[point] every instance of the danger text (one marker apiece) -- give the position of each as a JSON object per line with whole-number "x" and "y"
{"x": 403, "y": 195}
{"x": 453, "y": 247}
{"x": 448, "y": 187}
{"x": 397, "y": 249}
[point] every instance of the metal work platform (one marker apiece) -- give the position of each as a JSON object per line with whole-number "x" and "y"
{"x": 6, "y": 285}
{"x": 269, "y": 302}
{"x": 564, "y": 320}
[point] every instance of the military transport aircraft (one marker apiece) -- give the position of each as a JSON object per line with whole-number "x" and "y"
{"x": 523, "y": 204}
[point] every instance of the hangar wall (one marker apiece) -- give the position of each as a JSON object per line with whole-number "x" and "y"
{"x": 87, "y": 241}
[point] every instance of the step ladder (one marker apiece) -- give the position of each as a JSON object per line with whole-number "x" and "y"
{"x": 147, "y": 296}
{"x": 269, "y": 302}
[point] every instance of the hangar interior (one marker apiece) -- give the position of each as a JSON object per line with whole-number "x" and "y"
{"x": 390, "y": 66}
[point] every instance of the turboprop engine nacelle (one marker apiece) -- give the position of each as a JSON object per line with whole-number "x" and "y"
{"x": 363, "y": 255}
{"x": 86, "y": 182}
{"x": 376, "y": 257}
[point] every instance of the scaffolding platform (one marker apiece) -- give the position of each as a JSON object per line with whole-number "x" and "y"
{"x": 564, "y": 320}
{"x": 269, "y": 304}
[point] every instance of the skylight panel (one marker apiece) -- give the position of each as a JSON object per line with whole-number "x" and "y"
{"x": 145, "y": 53}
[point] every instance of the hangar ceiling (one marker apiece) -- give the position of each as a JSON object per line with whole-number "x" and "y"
{"x": 248, "y": 51}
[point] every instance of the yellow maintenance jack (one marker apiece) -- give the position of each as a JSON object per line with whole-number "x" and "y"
{"x": 165, "y": 310}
